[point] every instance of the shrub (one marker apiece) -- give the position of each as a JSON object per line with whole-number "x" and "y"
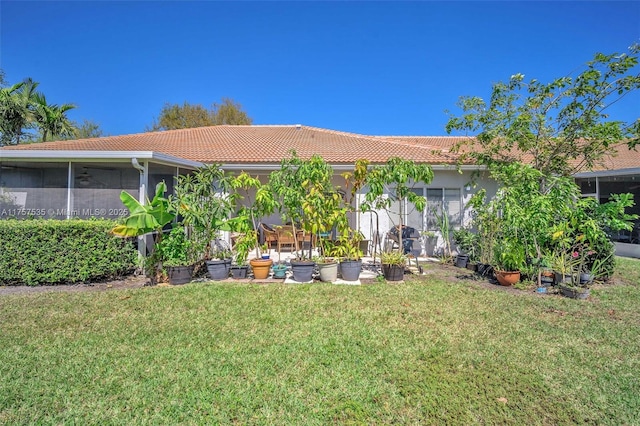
{"x": 35, "y": 252}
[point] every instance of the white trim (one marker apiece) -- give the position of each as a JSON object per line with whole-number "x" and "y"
{"x": 604, "y": 173}
{"x": 125, "y": 156}
{"x": 97, "y": 156}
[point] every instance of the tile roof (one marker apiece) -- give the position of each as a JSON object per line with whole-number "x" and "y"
{"x": 262, "y": 144}
{"x": 624, "y": 158}
{"x": 268, "y": 144}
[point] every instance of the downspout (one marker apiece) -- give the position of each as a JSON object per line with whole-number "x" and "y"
{"x": 142, "y": 197}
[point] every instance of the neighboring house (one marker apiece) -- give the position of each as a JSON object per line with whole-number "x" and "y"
{"x": 83, "y": 178}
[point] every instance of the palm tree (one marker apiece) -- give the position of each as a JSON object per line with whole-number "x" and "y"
{"x": 16, "y": 110}
{"x": 52, "y": 119}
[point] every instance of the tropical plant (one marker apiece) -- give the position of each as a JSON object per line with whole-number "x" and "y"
{"x": 175, "y": 249}
{"x": 307, "y": 197}
{"x": 52, "y": 120}
{"x": 393, "y": 183}
{"x": 24, "y": 109}
{"x": 244, "y": 243}
{"x": 467, "y": 242}
{"x": 584, "y": 229}
{"x": 394, "y": 257}
{"x": 509, "y": 256}
{"x": 560, "y": 127}
{"x": 485, "y": 219}
{"x": 147, "y": 218}
{"x": 205, "y": 202}
{"x": 16, "y": 111}
{"x": 256, "y": 200}
{"x": 347, "y": 246}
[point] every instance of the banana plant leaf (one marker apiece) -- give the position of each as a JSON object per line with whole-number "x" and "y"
{"x": 147, "y": 218}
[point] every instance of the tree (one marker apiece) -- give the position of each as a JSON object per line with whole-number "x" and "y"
{"x": 181, "y": 117}
{"x": 88, "y": 129}
{"x": 16, "y": 111}
{"x": 393, "y": 182}
{"x": 24, "y": 109}
{"x": 52, "y": 119}
{"x": 229, "y": 112}
{"x": 174, "y": 116}
{"x": 558, "y": 127}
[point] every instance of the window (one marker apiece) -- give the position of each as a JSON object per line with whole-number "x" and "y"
{"x": 438, "y": 199}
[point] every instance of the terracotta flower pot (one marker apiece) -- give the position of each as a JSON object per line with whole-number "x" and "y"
{"x": 508, "y": 278}
{"x": 261, "y": 268}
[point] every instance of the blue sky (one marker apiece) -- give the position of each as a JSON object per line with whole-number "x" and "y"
{"x": 377, "y": 68}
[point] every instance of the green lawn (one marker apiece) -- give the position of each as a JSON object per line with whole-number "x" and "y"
{"x": 429, "y": 351}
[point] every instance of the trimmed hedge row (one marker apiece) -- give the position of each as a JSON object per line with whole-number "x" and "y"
{"x": 35, "y": 252}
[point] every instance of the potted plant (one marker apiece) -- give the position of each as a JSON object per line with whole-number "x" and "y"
{"x": 258, "y": 202}
{"x": 309, "y": 201}
{"x": 393, "y": 263}
{"x": 509, "y": 259}
{"x": 144, "y": 219}
{"x": 279, "y": 268}
{"x": 467, "y": 243}
{"x": 430, "y": 241}
{"x": 326, "y": 261}
{"x": 244, "y": 243}
{"x": 486, "y": 221}
{"x": 204, "y": 201}
{"x": 546, "y": 277}
{"x": 576, "y": 286}
{"x": 219, "y": 263}
{"x": 348, "y": 250}
{"x": 176, "y": 253}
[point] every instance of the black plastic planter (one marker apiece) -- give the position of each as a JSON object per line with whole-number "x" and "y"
{"x": 302, "y": 270}
{"x": 393, "y": 272}
{"x": 461, "y": 260}
{"x": 239, "y": 272}
{"x": 219, "y": 269}
{"x": 179, "y": 274}
{"x": 350, "y": 269}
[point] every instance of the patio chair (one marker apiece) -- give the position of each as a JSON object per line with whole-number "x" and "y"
{"x": 269, "y": 235}
{"x": 285, "y": 237}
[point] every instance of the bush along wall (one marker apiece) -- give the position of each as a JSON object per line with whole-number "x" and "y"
{"x": 36, "y": 252}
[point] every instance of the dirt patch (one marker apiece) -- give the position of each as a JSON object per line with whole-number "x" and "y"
{"x": 131, "y": 281}
{"x": 441, "y": 271}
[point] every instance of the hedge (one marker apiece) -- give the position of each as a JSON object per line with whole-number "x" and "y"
{"x": 39, "y": 251}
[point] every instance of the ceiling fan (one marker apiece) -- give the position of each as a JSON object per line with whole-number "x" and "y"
{"x": 84, "y": 178}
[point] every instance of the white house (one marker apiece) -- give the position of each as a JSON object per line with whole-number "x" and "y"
{"x": 83, "y": 178}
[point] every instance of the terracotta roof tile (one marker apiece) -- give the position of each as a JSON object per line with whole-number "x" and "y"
{"x": 270, "y": 144}
{"x": 258, "y": 144}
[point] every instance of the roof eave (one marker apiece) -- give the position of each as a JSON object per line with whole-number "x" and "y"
{"x": 96, "y": 156}
{"x": 601, "y": 173}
